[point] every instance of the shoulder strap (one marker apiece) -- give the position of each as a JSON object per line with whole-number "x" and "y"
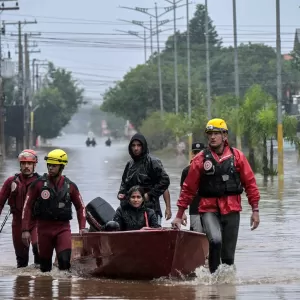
{"x": 146, "y": 218}
{"x": 16, "y": 176}
{"x": 207, "y": 153}
{"x": 233, "y": 155}
{"x": 65, "y": 191}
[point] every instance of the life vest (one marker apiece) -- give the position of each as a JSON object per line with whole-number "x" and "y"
{"x": 219, "y": 179}
{"x": 51, "y": 204}
{"x": 18, "y": 192}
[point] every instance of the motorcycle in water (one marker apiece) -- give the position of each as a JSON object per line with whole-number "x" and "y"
{"x": 89, "y": 142}
{"x": 108, "y": 142}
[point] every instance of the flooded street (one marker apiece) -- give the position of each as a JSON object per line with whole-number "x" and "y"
{"x": 267, "y": 260}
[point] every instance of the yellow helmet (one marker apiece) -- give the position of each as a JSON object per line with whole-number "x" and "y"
{"x": 57, "y": 157}
{"x": 216, "y": 125}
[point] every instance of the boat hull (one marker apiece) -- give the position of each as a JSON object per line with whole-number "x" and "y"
{"x": 139, "y": 254}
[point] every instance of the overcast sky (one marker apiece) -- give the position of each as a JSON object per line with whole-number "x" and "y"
{"x": 103, "y": 55}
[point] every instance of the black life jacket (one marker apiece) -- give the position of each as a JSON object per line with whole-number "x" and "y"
{"x": 18, "y": 192}
{"x": 51, "y": 204}
{"x": 219, "y": 179}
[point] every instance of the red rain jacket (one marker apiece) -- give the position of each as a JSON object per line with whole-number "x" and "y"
{"x": 224, "y": 204}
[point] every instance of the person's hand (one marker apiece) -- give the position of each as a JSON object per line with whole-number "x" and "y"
{"x": 26, "y": 238}
{"x": 146, "y": 197}
{"x": 82, "y": 231}
{"x": 121, "y": 196}
{"x": 176, "y": 223}
{"x": 168, "y": 213}
{"x": 184, "y": 219}
{"x": 254, "y": 220}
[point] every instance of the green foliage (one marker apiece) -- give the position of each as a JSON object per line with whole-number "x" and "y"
{"x": 156, "y": 132}
{"x": 253, "y": 116}
{"x": 57, "y": 102}
{"x": 49, "y": 117}
{"x": 10, "y": 94}
{"x": 137, "y": 95}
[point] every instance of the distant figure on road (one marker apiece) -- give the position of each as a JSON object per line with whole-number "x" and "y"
{"x": 108, "y": 142}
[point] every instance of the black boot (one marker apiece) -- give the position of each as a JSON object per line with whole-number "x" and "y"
{"x": 64, "y": 258}
{"x": 45, "y": 265}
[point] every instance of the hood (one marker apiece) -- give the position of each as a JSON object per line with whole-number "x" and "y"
{"x": 138, "y": 137}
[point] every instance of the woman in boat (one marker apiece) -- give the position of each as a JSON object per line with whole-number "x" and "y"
{"x": 132, "y": 214}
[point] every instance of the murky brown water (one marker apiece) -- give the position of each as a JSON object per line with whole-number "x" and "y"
{"x": 267, "y": 260}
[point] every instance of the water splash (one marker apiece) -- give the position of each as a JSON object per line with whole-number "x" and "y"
{"x": 33, "y": 271}
{"x": 227, "y": 275}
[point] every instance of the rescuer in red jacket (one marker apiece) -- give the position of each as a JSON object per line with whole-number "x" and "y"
{"x": 219, "y": 174}
{"x": 14, "y": 190}
{"x": 49, "y": 200}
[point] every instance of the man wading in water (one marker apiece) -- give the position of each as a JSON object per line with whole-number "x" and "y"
{"x": 219, "y": 174}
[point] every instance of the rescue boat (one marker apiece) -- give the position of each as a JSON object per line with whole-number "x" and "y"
{"x": 137, "y": 254}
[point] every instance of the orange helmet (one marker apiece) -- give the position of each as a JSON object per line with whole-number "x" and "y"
{"x": 28, "y": 155}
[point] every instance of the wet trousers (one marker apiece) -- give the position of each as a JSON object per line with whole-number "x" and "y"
{"x": 22, "y": 251}
{"x": 195, "y": 223}
{"x": 54, "y": 235}
{"x": 222, "y": 233}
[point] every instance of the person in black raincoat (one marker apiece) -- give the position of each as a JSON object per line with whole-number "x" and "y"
{"x": 133, "y": 214}
{"x": 145, "y": 171}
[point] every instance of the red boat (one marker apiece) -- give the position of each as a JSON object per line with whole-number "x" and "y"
{"x": 139, "y": 254}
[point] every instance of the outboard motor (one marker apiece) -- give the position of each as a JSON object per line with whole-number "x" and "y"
{"x": 108, "y": 142}
{"x": 98, "y": 213}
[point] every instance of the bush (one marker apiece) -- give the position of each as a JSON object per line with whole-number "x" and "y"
{"x": 154, "y": 130}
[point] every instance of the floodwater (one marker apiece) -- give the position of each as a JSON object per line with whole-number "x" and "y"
{"x": 267, "y": 259}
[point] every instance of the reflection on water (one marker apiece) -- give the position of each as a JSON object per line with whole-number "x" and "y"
{"x": 31, "y": 287}
{"x": 267, "y": 260}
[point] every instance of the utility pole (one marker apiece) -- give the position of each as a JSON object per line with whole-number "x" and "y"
{"x": 279, "y": 98}
{"x": 28, "y": 93}
{"x": 161, "y": 101}
{"x": 3, "y": 7}
{"x": 175, "y": 2}
{"x": 151, "y": 36}
{"x": 236, "y": 72}
{"x": 188, "y": 59}
{"x": 33, "y": 75}
{"x": 37, "y": 76}
{"x": 144, "y": 38}
{"x": 21, "y": 86}
{"x": 27, "y": 87}
{"x": 158, "y": 23}
{"x": 142, "y": 24}
{"x": 207, "y": 63}
{"x": 189, "y": 72}
{"x": 33, "y": 106}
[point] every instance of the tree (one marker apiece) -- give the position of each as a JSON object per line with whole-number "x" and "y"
{"x": 197, "y": 33}
{"x": 137, "y": 95}
{"x": 9, "y": 90}
{"x": 67, "y": 86}
{"x": 57, "y": 102}
{"x": 50, "y": 116}
{"x": 155, "y": 131}
{"x": 197, "y": 28}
